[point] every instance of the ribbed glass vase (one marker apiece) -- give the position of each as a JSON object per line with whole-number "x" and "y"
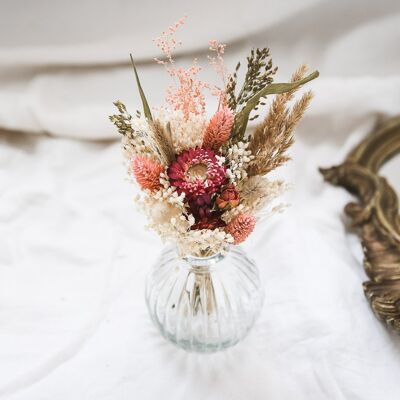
{"x": 204, "y": 304}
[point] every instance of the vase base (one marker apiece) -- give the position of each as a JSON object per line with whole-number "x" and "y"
{"x": 208, "y": 307}
{"x": 199, "y": 347}
{"x": 195, "y": 346}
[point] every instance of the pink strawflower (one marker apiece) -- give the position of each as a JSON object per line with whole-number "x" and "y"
{"x": 241, "y": 227}
{"x": 218, "y": 129}
{"x": 147, "y": 173}
{"x": 196, "y": 172}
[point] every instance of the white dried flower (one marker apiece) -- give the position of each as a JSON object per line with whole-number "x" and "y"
{"x": 186, "y": 133}
{"x": 203, "y": 242}
{"x": 238, "y": 157}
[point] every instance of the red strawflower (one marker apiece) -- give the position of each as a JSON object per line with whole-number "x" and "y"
{"x": 196, "y": 172}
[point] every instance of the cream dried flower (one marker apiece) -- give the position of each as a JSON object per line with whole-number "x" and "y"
{"x": 164, "y": 218}
{"x": 257, "y": 191}
{"x": 162, "y": 212}
{"x": 185, "y": 133}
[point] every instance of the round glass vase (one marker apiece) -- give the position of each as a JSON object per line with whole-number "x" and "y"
{"x": 204, "y": 304}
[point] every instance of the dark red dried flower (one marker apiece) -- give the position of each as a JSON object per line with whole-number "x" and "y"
{"x": 205, "y": 216}
{"x": 209, "y": 223}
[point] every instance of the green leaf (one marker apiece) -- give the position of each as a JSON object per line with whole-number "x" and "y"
{"x": 242, "y": 117}
{"x": 146, "y": 108}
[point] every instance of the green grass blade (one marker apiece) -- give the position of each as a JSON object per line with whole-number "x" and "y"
{"x": 242, "y": 117}
{"x": 146, "y": 108}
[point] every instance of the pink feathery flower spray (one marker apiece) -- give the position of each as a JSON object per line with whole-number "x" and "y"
{"x": 147, "y": 173}
{"x": 167, "y": 42}
{"x": 218, "y": 129}
{"x": 187, "y": 96}
{"x": 218, "y": 60}
{"x": 241, "y": 227}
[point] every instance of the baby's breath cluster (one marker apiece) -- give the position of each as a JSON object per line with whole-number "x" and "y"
{"x": 169, "y": 193}
{"x": 205, "y": 242}
{"x": 239, "y": 157}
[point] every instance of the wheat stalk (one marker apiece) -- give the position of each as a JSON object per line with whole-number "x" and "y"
{"x": 163, "y": 142}
{"x": 274, "y": 135}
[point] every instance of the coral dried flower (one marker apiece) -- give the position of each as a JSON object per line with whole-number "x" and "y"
{"x": 218, "y": 129}
{"x": 147, "y": 173}
{"x": 229, "y": 198}
{"x": 241, "y": 227}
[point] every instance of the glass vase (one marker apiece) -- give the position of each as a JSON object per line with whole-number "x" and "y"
{"x": 204, "y": 304}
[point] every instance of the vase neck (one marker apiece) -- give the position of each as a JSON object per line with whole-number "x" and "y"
{"x": 204, "y": 261}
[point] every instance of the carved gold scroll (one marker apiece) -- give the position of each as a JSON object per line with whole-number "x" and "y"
{"x": 376, "y": 215}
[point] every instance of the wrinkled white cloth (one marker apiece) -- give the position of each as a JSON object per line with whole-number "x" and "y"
{"x": 73, "y": 251}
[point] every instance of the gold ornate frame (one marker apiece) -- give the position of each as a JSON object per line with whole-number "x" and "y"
{"x": 376, "y": 214}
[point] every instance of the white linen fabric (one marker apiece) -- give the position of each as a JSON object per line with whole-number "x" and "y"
{"x": 73, "y": 250}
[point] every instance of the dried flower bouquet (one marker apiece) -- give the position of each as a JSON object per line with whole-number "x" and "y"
{"x": 203, "y": 181}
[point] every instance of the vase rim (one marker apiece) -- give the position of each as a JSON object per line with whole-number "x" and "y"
{"x": 200, "y": 261}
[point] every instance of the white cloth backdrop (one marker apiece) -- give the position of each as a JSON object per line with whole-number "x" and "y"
{"x": 73, "y": 252}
